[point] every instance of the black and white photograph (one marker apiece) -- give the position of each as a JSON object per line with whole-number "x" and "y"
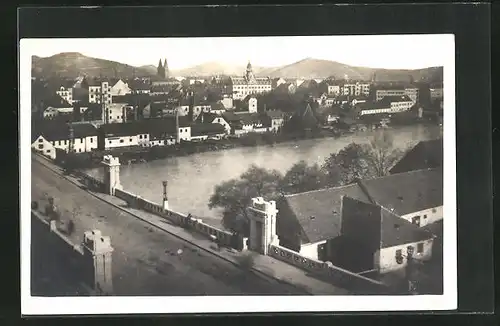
{"x": 238, "y": 174}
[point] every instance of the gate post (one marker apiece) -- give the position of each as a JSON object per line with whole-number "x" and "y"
{"x": 262, "y": 224}
{"x": 111, "y": 174}
{"x": 97, "y": 251}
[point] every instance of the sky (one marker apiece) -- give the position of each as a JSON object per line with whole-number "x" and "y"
{"x": 377, "y": 51}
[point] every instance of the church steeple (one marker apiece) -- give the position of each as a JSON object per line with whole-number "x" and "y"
{"x": 165, "y": 69}
{"x": 160, "y": 71}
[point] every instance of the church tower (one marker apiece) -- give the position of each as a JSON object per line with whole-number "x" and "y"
{"x": 160, "y": 70}
{"x": 165, "y": 69}
{"x": 249, "y": 76}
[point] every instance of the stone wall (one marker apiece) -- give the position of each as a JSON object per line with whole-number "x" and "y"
{"x": 69, "y": 266}
{"x": 223, "y": 237}
{"x": 331, "y": 273}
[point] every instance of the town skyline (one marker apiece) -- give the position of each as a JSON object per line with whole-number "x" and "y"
{"x": 387, "y": 51}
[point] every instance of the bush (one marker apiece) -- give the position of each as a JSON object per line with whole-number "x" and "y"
{"x": 246, "y": 261}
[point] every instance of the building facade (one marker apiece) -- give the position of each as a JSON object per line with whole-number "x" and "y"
{"x": 241, "y": 87}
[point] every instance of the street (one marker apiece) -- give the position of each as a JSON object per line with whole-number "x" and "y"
{"x": 147, "y": 261}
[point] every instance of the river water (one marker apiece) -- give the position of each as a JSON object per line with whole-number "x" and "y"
{"x": 191, "y": 179}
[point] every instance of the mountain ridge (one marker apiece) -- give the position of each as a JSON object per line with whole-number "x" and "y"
{"x": 74, "y": 64}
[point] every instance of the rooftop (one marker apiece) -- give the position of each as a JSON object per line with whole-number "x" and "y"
{"x": 425, "y": 155}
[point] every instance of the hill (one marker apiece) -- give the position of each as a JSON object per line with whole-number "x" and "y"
{"x": 310, "y": 68}
{"x": 74, "y": 64}
{"x": 214, "y": 68}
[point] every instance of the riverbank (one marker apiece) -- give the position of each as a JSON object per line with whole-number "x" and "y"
{"x": 134, "y": 155}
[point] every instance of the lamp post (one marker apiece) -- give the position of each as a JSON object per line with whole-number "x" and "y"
{"x": 165, "y": 198}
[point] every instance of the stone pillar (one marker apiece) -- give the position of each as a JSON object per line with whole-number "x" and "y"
{"x": 98, "y": 252}
{"x": 165, "y": 197}
{"x": 111, "y": 174}
{"x": 262, "y": 224}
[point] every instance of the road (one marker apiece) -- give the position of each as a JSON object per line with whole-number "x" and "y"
{"x": 146, "y": 260}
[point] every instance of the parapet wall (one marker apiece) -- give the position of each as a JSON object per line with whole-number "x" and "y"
{"x": 332, "y": 273}
{"x": 224, "y": 238}
{"x": 55, "y": 256}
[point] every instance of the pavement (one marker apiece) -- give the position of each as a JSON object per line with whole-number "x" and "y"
{"x": 151, "y": 240}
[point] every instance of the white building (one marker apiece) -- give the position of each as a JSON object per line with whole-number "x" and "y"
{"x": 241, "y": 87}
{"x": 120, "y": 88}
{"x": 55, "y": 135}
{"x": 66, "y": 93}
{"x": 99, "y": 92}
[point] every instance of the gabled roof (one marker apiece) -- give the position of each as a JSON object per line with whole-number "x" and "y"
{"x": 319, "y": 211}
{"x": 408, "y": 192}
{"x": 154, "y": 126}
{"x": 275, "y": 114}
{"x": 425, "y": 155}
{"x": 391, "y": 228}
{"x": 56, "y": 101}
{"x": 231, "y": 117}
{"x": 208, "y": 129}
{"x": 217, "y": 106}
{"x": 138, "y": 85}
{"x": 206, "y": 117}
{"x": 55, "y": 130}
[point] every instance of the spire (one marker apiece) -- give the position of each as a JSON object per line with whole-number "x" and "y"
{"x": 160, "y": 70}
{"x": 165, "y": 69}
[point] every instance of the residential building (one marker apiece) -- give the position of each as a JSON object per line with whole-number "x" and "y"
{"x": 426, "y": 154}
{"x": 99, "y": 91}
{"x": 227, "y": 102}
{"x": 120, "y": 88}
{"x": 374, "y": 238}
{"x": 246, "y": 122}
{"x": 309, "y": 222}
{"x": 204, "y": 131}
{"x": 276, "y": 82}
{"x": 241, "y": 87}
{"x": 56, "y": 106}
{"x": 66, "y": 91}
{"x": 355, "y": 88}
{"x": 139, "y": 86}
{"x": 381, "y": 92}
{"x": 80, "y": 138}
{"x": 116, "y": 112}
{"x": 217, "y": 108}
{"x": 250, "y": 103}
{"x": 277, "y": 120}
{"x": 388, "y": 104}
{"x": 206, "y": 117}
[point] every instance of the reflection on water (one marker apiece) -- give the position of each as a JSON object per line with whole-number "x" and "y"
{"x": 191, "y": 179}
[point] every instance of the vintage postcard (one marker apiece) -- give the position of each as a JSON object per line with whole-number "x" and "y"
{"x": 238, "y": 174}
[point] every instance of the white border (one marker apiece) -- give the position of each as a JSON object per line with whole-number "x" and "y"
{"x": 240, "y": 304}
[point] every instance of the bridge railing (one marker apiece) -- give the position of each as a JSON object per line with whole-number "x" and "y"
{"x": 224, "y": 238}
{"x": 332, "y": 273}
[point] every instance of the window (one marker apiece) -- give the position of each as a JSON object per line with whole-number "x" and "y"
{"x": 40, "y": 146}
{"x": 425, "y": 217}
{"x": 420, "y": 248}
{"x": 47, "y": 151}
{"x": 399, "y": 256}
{"x": 121, "y": 140}
{"x": 40, "y": 140}
{"x": 91, "y": 139}
{"x": 130, "y": 139}
{"x": 140, "y": 136}
{"x": 79, "y": 150}
{"x": 416, "y": 220}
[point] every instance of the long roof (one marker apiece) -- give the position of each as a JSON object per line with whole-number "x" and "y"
{"x": 318, "y": 211}
{"x": 425, "y": 155}
{"x": 55, "y": 130}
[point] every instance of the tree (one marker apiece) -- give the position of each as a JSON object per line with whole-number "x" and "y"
{"x": 235, "y": 195}
{"x": 349, "y": 164}
{"x": 301, "y": 177}
{"x": 381, "y": 155}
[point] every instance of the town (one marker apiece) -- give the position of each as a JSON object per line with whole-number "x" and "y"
{"x": 367, "y": 221}
{"x": 111, "y": 115}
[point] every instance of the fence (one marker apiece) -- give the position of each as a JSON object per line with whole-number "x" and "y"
{"x": 224, "y": 238}
{"x": 332, "y": 273}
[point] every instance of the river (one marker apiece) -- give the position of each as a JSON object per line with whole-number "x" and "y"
{"x": 191, "y": 179}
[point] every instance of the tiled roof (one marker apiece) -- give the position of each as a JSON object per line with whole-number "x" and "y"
{"x": 275, "y": 114}
{"x": 390, "y": 229}
{"x": 425, "y": 155}
{"x": 391, "y": 99}
{"x": 407, "y": 192}
{"x": 138, "y": 85}
{"x": 52, "y": 131}
{"x": 164, "y": 125}
{"x": 56, "y": 101}
{"x": 206, "y": 117}
{"x": 231, "y": 117}
{"x": 319, "y": 211}
{"x": 217, "y": 106}
{"x": 395, "y": 231}
{"x": 201, "y": 129}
